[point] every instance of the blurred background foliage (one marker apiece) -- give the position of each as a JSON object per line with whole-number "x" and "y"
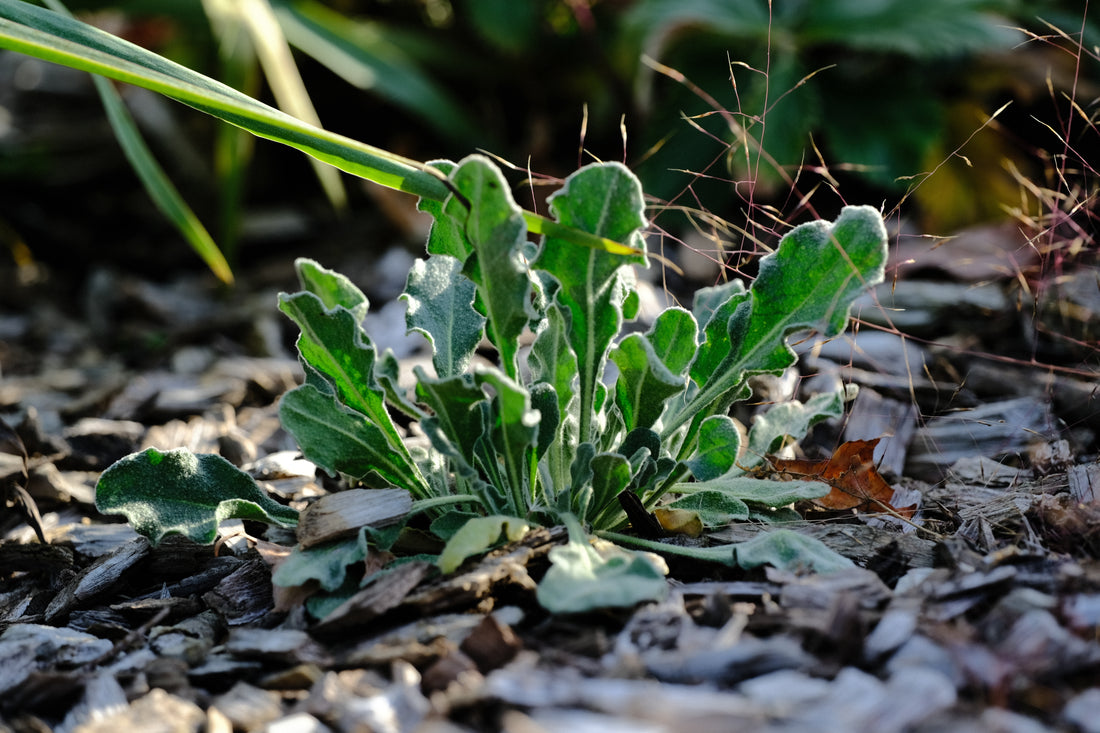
{"x": 722, "y": 106}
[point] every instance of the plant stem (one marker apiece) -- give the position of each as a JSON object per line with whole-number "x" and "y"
{"x": 721, "y": 554}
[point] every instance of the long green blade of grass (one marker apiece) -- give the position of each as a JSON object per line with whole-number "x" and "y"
{"x": 52, "y": 37}
{"x": 157, "y": 183}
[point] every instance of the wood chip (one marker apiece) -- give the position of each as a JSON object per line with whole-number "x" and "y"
{"x": 344, "y": 513}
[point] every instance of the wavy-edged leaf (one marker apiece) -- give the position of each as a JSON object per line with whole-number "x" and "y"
{"x": 809, "y": 282}
{"x": 441, "y": 307}
{"x": 342, "y": 441}
{"x": 333, "y": 343}
{"x": 792, "y": 419}
{"x": 606, "y": 200}
{"x": 180, "y": 492}
{"x": 333, "y": 288}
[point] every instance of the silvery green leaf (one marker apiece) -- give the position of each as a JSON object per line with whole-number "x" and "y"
{"x": 441, "y": 307}
{"x": 180, "y": 492}
{"x": 715, "y": 508}
{"x": 716, "y": 453}
{"x": 809, "y": 282}
{"x": 757, "y": 491}
{"x": 792, "y": 419}
{"x": 333, "y": 344}
{"x": 497, "y": 234}
{"x": 332, "y": 288}
{"x": 606, "y": 200}
{"x": 789, "y": 550}
{"x": 343, "y": 441}
{"x": 583, "y": 577}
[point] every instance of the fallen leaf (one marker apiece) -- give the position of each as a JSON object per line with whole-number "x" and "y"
{"x": 851, "y": 472}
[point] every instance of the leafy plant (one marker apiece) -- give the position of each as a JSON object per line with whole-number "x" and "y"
{"x": 541, "y": 436}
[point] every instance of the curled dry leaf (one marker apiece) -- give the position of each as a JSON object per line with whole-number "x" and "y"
{"x": 851, "y": 472}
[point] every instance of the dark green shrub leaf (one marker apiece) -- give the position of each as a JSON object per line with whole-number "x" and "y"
{"x": 179, "y": 492}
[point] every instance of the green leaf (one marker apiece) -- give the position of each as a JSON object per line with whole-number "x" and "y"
{"x": 715, "y": 508}
{"x": 333, "y": 343}
{"x": 514, "y": 432}
{"x": 552, "y": 362}
{"x": 36, "y": 32}
{"x": 441, "y": 307}
{"x": 719, "y": 445}
{"x": 758, "y": 491}
{"x": 342, "y": 441}
{"x": 478, "y": 535}
{"x": 810, "y": 281}
{"x": 722, "y": 333}
{"x": 789, "y": 550}
{"x": 610, "y": 476}
{"x": 583, "y": 578}
{"x": 605, "y": 200}
{"x": 327, "y": 563}
{"x": 333, "y": 289}
{"x": 179, "y": 492}
{"x": 458, "y": 420}
{"x": 792, "y": 419}
{"x": 493, "y": 225}
{"x": 651, "y": 367}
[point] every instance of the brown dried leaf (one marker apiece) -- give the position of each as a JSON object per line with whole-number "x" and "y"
{"x": 851, "y": 472}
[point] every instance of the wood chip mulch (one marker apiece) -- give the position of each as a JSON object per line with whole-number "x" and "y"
{"x": 982, "y": 614}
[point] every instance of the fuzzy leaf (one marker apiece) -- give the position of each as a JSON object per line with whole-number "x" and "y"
{"x": 582, "y": 578}
{"x": 179, "y": 492}
{"x": 809, "y": 282}
{"x": 514, "y": 432}
{"x": 458, "y": 422}
{"x": 651, "y": 367}
{"x": 715, "y": 508}
{"x": 792, "y": 419}
{"x": 789, "y": 550}
{"x": 478, "y": 535}
{"x": 343, "y": 441}
{"x": 334, "y": 345}
{"x": 327, "y": 563}
{"x": 610, "y": 476}
{"x": 497, "y": 234}
{"x": 719, "y": 444}
{"x": 441, "y": 307}
{"x": 758, "y": 491}
{"x": 605, "y": 200}
{"x": 552, "y": 362}
{"x": 446, "y": 236}
{"x": 332, "y": 288}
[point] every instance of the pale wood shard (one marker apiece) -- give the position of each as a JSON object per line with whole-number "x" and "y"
{"x": 343, "y": 514}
